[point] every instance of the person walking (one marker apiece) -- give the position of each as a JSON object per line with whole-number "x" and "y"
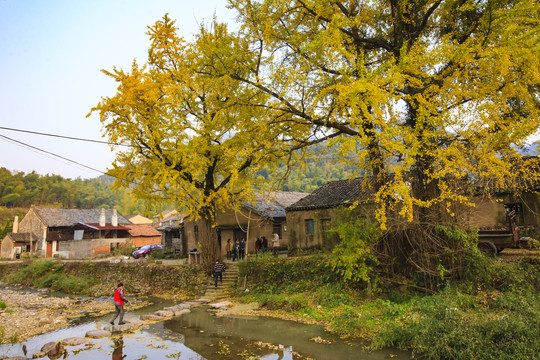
{"x": 119, "y": 299}
{"x": 219, "y": 269}
{"x": 228, "y": 248}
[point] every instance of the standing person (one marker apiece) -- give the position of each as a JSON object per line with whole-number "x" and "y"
{"x": 219, "y": 268}
{"x": 258, "y": 245}
{"x": 264, "y": 244}
{"x": 119, "y": 299}
{"x": 235, "y": 250}
{"x": 242, "y": 248}
{"x": 275, "y": 243}
{"x": 228, "y": 248}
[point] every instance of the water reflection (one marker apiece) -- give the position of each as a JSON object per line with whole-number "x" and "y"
{"x": 118, "y": 352}
{"x": 271, "y": 338}
{"x": 201, "y": 335}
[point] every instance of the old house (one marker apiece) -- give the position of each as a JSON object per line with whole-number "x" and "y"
{"x": 171, "y": 230}
{"x": 309, "y": 218}
{"x": 263, "y": 217}
{"x": 139, "y": 219}
{"x": 75, "y": 233}
{"x": 164, "y": 215}
{"x": 143, "y": 234}
{"x": 15, "y": 244}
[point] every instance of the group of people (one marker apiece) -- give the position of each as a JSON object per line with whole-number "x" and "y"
{"x": 237, "y": 250}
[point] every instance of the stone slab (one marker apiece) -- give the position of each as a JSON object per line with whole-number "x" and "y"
{"x": 238, "y": 309}
{"x": 221, "y": 304}
{"x": 96, "y": 334}
{"x": 151, "y": 318}
{"x": 181, "y": 312}
{"x": 75, "y": 341}
{"x": 119, "y": 328}
{"x": 164, "y": 313}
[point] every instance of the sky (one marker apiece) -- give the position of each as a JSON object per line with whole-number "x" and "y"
{"x": 51, "y": 54}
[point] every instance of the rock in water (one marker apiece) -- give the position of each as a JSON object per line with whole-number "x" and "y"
{"x": 52, "y": 349}
{"x": 98, "y": 334}
{"x": 74, "y": 341}
{"x": 164, "y": 313}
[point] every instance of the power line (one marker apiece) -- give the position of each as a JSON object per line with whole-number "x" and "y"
{"x": 61, "y": 136}
{"x": 20, "y": 143}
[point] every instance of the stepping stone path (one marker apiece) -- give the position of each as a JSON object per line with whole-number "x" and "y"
{"x": 223, "y": 291}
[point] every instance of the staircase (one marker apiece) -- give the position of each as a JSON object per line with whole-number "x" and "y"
{"x": 225, "y": 288}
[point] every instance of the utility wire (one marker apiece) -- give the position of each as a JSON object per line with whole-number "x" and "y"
{"x": 20, "y": 143}
{"x": 61, "y": 136}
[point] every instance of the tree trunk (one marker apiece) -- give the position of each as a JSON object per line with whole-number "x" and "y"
{"x": 208, "y": 239}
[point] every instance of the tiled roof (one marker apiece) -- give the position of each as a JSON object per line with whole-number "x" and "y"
{"x": 139, "y": 219}
{"x": 70, "y": 217}
{"x": 142, "y": 230}
{"x": 273, "y": 204}
{"x": 19, "y": 237}
{"x": 108, "y": 226}
{"x": 333, "y": 194}
{"x": 171, "y": 223}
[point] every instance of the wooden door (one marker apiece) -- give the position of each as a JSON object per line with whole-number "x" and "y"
{"x": 49, "y": 249}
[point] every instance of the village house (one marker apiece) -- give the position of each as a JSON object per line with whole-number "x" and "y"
{"x": 266, "y": 215}
{"x": 309, "y": 219}
{"x": 73, "y": 233}
{"x": 143, "y": 234}
{"x": 171, "y": 230}
{"x": 139, "y": 219}
{"x": 164, "y": 215}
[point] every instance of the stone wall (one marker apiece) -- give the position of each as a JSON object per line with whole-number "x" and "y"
{"x": 139, "y": 278}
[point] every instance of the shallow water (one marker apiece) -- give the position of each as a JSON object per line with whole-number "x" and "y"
{"x": 201, "y": 335}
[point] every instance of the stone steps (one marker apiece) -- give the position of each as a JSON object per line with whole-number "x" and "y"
{"x": 225, "y": 288}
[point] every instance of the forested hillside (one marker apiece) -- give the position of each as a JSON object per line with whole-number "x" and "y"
{"x": 19, "y": 191}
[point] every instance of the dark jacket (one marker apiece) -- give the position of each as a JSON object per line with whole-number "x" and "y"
{"x": 219, "y": 268}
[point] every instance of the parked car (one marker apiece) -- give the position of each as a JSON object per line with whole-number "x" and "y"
{"x": 146, "y": 250}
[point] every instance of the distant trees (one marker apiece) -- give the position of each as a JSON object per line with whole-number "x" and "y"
{"x": 20, "y": 190}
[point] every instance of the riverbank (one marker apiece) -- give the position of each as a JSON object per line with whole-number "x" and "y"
{"x": 493, "y": 310}
{"x": 24, "y": 315}
{"x": 99, "y": 279}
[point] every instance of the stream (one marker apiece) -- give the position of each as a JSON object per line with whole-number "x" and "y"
{"x": 201, "y": 335}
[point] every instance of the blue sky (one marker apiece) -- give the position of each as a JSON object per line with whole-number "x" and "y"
{"x": 50, "y": 61}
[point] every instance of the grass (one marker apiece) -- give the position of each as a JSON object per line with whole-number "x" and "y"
{"x": 49, "y": 274}
{"x": 492, "y": 312}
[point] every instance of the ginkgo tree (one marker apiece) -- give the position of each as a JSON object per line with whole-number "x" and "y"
{"x": 191, "y": 137}
{"x": 432, "y": 96}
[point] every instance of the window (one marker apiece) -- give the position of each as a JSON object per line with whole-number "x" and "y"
{"x": 196, "y": 228}
{"x": 78, "y": 234}
{"x": 276, "y": 228}
{"x": 310, "y": 228}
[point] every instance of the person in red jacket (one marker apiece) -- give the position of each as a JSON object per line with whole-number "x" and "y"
{"x": 119, "y": 300}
